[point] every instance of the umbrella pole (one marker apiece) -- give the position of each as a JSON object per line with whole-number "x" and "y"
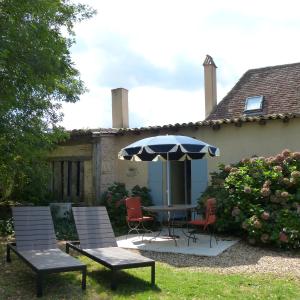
{"x": 168, "y": 180}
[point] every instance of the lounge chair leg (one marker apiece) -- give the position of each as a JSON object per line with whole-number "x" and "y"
{"x": 113, "y": 284}
{"x": 39, "y": 285}
{"x": 83, "y": 281}
{"x": 153, "y": 275}
{"x": 8, "y": 259}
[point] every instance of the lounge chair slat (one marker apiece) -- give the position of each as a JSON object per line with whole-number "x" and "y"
{"x": 29, "y": 228}
{"x": 36, "y": 244}
{"x": 30, "y": 209}
{"x": 98, "y": 242}
{"x": 23, "y": 227}
{"x": 96, "y": 232}
{"x": 31, "y": 223}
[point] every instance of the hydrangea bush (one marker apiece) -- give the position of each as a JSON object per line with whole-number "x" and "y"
{"x": 260, "y": 198}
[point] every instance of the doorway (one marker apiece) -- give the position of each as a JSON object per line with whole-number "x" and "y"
{"x": 180, "y": 182}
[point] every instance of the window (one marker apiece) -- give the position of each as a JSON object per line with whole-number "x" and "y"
{"x": 67, "y": 180}
{"x": 253, "y": 104}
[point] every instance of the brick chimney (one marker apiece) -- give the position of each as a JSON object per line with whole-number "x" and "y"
{"x": 210, "y": 84}
{"x": 120, "y": 108}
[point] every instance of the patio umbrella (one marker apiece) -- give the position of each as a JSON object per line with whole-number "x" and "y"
{"x": 167, "y": 148}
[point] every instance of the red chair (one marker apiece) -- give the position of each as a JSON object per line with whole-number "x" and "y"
{"x": 135, "y": 218}
{"x": 207, "y": 223}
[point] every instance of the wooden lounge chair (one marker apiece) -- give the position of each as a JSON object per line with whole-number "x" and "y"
{"x": 97, "y": 241}
{"x": 36, "y": 245}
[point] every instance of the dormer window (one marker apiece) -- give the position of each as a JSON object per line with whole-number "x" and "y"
{"x": 253, "y": 104}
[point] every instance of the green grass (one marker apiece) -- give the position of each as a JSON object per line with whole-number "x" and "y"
{"x": 17, "y": 281}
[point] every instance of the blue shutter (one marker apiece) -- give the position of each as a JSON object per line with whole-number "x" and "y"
{"x": 155, "y": 181}
{"x": 199, "y": 178}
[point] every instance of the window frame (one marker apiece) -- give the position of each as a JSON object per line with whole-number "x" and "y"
{"x": 254, "y": 110}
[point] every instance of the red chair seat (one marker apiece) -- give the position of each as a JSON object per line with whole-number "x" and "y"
{"x": 142, "y": 219}
{"x": 198, "y": 222}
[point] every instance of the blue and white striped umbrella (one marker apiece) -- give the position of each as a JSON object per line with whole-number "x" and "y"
{"x": 167, "y": 147}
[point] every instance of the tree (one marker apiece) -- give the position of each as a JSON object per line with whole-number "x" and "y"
{"x": 36, "y": 76}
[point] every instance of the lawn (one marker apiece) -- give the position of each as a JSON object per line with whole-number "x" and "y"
{"x": 17, "y": 281}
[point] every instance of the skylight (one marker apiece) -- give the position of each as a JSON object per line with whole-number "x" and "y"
{"x": 253, "y": 104}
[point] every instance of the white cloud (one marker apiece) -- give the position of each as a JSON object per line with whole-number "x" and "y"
{"x": 239, "y": 35}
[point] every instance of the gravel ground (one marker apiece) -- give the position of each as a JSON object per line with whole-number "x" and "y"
{"x": 240, "y": 258}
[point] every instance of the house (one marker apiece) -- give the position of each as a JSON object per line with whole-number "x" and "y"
{"x": 259, "y": 116}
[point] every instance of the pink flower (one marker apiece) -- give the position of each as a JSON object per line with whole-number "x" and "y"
{"x": 277, "y": 168}
{"x": 253, "y": 159}
{"x": 227, "y": 168}
{"x": 279, "y": 158}
{"x": 295, "y": 174}
{"x": 247, "y": 189}
{"x": 283, "y": 237}
{"x": 257, "y": 224}
{"x": 245, "y": 160}
{"x": 267, "y": 183}
{"x": 284, "y": 194}
{"x": 233, "y": 170}
{"x": 286, "y": 181}
{"x": 265, "y": 192}
{"x": 286, "y": 153}
{"x": 296, "y": 155}
{"x": 265, "y": 215}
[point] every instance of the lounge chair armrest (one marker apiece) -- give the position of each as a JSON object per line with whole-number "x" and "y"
{"x": 75, "y": 245}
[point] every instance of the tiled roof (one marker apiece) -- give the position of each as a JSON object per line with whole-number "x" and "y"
{"x": 215, "y": 124}
{"x": 279, "y": 85}
{"x": 93, "y": 132}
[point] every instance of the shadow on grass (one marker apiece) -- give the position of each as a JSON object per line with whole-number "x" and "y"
{"x": 127, "y": 284}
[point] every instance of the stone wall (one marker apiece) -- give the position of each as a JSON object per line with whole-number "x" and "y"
{"x": 109, "y": 157}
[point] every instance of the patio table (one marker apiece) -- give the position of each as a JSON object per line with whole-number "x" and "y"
{"x": 171, "y": 211}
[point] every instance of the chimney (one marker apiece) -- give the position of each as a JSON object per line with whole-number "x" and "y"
{"x": 210, "y": 85}
{"x": 120, "y": 108}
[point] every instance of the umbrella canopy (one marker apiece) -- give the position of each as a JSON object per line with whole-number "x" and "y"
{"x": 167, "y": 147}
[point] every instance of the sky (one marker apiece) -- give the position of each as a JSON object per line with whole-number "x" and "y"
{"x": 156, "y": 49}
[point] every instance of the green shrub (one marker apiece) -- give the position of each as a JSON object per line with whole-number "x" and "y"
{"x": 114, "y": 200}
{"x": 64, "y": 227}
{"x": 260, "y": 197}
{"x": 6, "y": 227}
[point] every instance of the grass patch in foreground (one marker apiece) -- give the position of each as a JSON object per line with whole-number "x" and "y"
{"x": 17, "y": 281}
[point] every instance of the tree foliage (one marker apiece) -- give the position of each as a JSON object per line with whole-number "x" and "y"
{"x": 36, "y": 76}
